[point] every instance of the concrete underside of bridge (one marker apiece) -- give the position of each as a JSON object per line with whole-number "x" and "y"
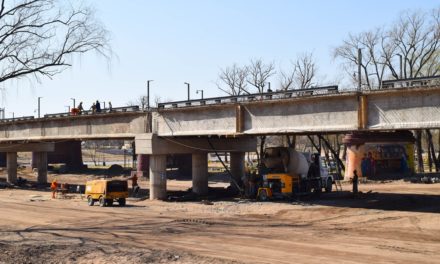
{"x": 158, "y": 148}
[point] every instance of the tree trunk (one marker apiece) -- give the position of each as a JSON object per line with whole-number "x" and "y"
{"x": 431, "y": 149}
{"x": 419, "y": 151}
{"x": 261, "y": 151}
{"x": 316, "y": 146}
{"x": 335, "y": 156}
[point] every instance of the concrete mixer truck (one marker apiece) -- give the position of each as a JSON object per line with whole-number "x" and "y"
{"x": 286, "y": 172}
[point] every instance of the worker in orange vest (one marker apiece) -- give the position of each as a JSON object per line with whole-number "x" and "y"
{"x": 54, "y": 187}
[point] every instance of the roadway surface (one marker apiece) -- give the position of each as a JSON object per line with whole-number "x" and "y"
{"x": 396, "y": 223}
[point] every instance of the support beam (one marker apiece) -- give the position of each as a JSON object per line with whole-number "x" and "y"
{"x": 158, "y": 177}
{"x": 200, "y": 173}
{"x": 237, "y": 167}
{"x": 11, "y": 160}
{"x": 41, "y": 163}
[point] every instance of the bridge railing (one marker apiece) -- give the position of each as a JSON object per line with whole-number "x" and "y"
{"x": 411, "y": 82}
{"x": 251, "y": 97}
{"x": 14, "y": 119}
{"x": 124, "y": 109}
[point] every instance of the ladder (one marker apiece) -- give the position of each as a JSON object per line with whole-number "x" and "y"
{"x": 338, "y": 185}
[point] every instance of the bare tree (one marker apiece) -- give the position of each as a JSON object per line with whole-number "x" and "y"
{"x": 287, "y": 79}
{"x": 142, "y": 101}
{"x": 305, "y": 70}
{"x": 302, "y": 74}
{"x": 40, "y": 37}
{"x": 234, "y": 78}
{"x": 417, "y": 39}
{"x": 373, "y": 57}
{"x": 258, "y": 74}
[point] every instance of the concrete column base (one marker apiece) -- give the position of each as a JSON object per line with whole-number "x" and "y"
{"x": 41, "y": 163}
{"x": 237, "y": 167}
{"x": 158, "y": 177}
{"x": 11, "y": 160}
{"x": 200, "y": 174}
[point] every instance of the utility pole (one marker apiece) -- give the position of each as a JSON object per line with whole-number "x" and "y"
{"x": 148, "y": 94}
{"x": 401, "y": 65}
{"x": 187, "y": 84}
{"x": 359, "y": 69}
{"x": 201, "y": 91}
{"x": 39, "y": 99}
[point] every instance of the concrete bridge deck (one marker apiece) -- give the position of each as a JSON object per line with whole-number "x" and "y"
{"x": 227, "y": 125}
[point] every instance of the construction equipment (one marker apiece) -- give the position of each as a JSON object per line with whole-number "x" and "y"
{"x": 287, "y": 172}
{"x": 106, "y": 192}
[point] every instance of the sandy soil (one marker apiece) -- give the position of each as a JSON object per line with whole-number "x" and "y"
{"x": 393, "y": 222}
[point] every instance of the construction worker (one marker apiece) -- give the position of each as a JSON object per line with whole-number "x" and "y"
{"x": 80, "y": 107}
{"x": 54, "y": 187}
{"x": 355, "y": 182}
{"x": 134, "y": 184}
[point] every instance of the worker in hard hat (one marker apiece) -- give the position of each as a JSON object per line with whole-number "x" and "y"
{"x": 54, "y": 187}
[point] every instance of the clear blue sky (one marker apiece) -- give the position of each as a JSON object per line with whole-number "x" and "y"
{"x": 178, "y": 41}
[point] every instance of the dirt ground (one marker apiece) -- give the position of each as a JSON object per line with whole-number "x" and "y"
{"x": 394, "y": 222}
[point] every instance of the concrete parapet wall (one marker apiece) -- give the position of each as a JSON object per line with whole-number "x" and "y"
{"x": 100, "y": 126}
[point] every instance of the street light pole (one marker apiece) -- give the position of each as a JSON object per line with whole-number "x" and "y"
{"x": 359, "y": 69}
{"x": 39, "y": 99}
{"x": 187, "y": 84}
{"x": 148, "y": 94}
{"x": 400, "y": 65}
{"x": 201, "y": 91}
{"x": 74, "y": 104}
{"x": 68, "y": 107}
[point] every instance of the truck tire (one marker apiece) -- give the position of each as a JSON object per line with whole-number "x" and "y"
{"x": 102, "y": 201}
{"x": 90, "y": 201}
{"x": 262, "y": 196}
{"x": 121, "y": 201}
{"x": 109, "y": 202}
{"x": 329, "y": 185}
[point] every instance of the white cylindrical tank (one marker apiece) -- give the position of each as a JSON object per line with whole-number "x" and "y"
{"x": 298, "y": 163}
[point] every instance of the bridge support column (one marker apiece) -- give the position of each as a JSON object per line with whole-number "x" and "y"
{"x": 200, "y": 173}
{"x": 11, "y": 160}
{"x": 68, "y": 152}
{"x": 143, "y": 165}
{"x": 237, "y": 168}
{"x": 158, "y": 177}
{"x": 41, "y": 164}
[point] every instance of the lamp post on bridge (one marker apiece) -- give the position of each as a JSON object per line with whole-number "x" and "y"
{"x": 74, "y": 103}
{"x": 13, "y": 115}
{"x": 39, "y": 105}
{"x": 400, "y": 65}
{"x": 201, "y": 91}
{"x": 68, "y": 108}
{"x": 188, "y": 86}
{"x": 148, "y": 94}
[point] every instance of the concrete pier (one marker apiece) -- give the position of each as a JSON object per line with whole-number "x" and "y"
{"x": 143, "y": 165}
{"x": 237, "y": 167}
{"x": 41, "y": 163}
{"x": 200, "y": 173}
{"x": 158, "y": 177}
{"x": 11, "y": 163}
